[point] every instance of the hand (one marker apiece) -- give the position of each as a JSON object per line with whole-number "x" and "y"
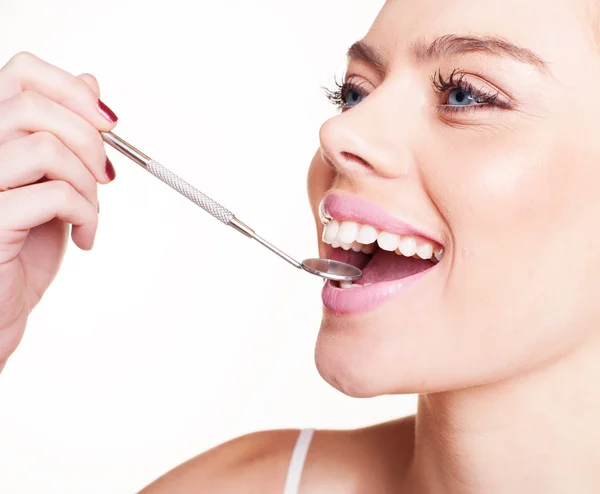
{"x": 51, "y": 159}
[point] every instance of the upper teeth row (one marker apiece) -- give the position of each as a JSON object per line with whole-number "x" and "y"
{"x": 362, "y": 238}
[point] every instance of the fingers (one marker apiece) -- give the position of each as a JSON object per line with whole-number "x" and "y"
{"x": 27, "y": 207}
{"x": 29, "y": 112}
{"x": 41, "y": 155}
{"x": 92, "y": 82}
{"x": 26, "y": 72}
{"x": 49, "y": 129}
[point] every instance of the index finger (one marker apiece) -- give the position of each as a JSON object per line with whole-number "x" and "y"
{"x": 26, "y": 72}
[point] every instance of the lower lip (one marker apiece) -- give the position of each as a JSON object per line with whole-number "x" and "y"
{"x": 363, "y": 299}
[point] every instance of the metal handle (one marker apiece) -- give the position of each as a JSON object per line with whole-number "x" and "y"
{"x": 187, "y": 190}
{"x": 168, "y": 177}
{"x": 126, "y": 148}
{"x": 184, "y": 188}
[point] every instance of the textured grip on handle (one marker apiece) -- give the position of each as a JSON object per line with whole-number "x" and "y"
{"x": 210, "y": 206}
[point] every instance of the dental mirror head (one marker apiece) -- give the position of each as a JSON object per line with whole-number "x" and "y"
{"x": 332, "y": 270}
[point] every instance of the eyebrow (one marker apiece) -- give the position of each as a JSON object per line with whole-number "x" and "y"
{"x": 367, "y": 53}
{"x": 451, "y": 45}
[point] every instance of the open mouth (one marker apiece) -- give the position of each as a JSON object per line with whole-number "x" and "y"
{"x": 392, "y": 254}
{"x": 382, "y": 256}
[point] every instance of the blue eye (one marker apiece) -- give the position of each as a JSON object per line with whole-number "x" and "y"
{"x": 458, "y": 95}
{"x": 462, "y": 97}
{"x": 352, "y": 97}
{"x": 349, "y": 93}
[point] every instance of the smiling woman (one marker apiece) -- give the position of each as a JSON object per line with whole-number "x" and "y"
{"x": 461, "y": 180}
{"x": 461, "y": 175}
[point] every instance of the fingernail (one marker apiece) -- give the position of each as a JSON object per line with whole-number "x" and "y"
{"x": 110, "y": 170}
{"x": 107, "y": 112}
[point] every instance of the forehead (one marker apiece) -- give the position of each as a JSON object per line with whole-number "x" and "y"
{"x": 558, "y": 30}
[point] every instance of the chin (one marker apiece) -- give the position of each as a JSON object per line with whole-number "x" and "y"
{"x": 354, "y": 361}
{"x": 368, "y": 355}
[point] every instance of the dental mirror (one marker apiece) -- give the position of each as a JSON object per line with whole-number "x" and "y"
{"x": 325, "y": 268}
{"x": 332, "y": 270}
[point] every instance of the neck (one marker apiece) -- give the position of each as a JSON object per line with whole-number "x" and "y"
{"x": 537, "y": 433}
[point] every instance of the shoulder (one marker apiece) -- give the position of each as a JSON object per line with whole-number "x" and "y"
{"x": 362, "y": 460}
{"x": 255, "y": 463}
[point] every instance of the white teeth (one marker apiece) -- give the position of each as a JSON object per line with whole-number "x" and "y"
{"x": 368, "y": 284}
{"x": 356, "y": 247}
{"x": 408, "y": 246}
{"x": 369, "y": 249}
{"x": 348, "y": 232}
{"x": 349, "y": 235}
{"x": 348, "y": 285}
{"x": 388, "y": 241}
{"x": 425, "y": 251}
{"x": 367, "y": 235}
{"x": 439, "y": 254}
{"x": 330, "y": 231}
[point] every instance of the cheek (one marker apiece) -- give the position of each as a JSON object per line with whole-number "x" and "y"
{"x": 518, "y": 208}
{"x": 505, "y": 191}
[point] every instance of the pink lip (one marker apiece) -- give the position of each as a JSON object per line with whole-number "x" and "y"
{"x": 354, "y": 208}
{"x": 354, "y": 300}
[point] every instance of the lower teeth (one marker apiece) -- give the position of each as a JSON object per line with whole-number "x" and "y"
{"x": 348, "y": 284}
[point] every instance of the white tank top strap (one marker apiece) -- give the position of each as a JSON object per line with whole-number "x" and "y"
{"x": 294, "y": 474}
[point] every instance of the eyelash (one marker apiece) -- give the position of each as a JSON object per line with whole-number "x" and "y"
{"x": 338, "y": 95}
{"x": 485, "y": 99}
{"x": 441, "y": 85}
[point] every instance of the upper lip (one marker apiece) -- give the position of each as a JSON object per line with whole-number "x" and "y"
{"x": 343, "y": 207}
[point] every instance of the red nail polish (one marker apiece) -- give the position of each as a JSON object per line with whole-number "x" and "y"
{"x": 110, "y": 170}
{"x": 107, "y": 112}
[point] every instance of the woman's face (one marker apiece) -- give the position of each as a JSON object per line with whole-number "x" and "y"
{"x": 469, "y": 126}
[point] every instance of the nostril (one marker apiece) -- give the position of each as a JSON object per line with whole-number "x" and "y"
{"x": 353, "y": 159}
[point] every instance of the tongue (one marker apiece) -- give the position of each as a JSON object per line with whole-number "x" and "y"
{"x": 389, "y": 266}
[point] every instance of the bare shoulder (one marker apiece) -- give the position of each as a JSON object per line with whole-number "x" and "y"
{"x": 337, "y": 462}
{"x": 255, "y": 463}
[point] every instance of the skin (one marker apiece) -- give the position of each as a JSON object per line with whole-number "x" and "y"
{"x": 51, "y": 160}
{"x": 500, "y": 342}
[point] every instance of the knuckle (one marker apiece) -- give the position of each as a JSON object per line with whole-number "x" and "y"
{"x": 78, "y": 87}
{"x": 62, "y": 192}
{"x": 53, "y": 155}
{"x": 48, "y": 145}
{"x": 21, "y": 60}
{"x": 30, "y": 101}
{"x": 91, "y": 78}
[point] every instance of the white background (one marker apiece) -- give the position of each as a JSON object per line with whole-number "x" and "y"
{"x": 176, "y": 333}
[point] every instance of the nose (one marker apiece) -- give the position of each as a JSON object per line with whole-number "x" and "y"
{"x": 370, "y": 138}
